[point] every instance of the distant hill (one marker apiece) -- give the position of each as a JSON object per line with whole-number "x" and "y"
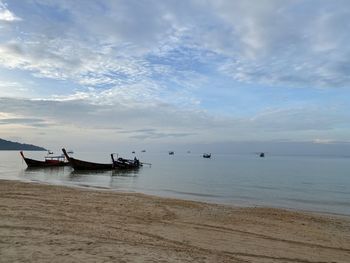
{"x": 15, "y": 146}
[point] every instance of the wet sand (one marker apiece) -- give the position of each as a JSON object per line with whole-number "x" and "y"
{"x": 45, "y": 223}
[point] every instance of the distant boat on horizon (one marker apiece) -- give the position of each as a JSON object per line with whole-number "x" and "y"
{"x": 171, "y": 153}
{"x": 206, "y": 155}
{"x": 143, "y": 151}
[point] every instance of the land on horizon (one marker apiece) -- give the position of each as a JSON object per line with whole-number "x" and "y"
{"x": 16, "y": 146}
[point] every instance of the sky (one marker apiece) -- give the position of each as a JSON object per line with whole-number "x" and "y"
{"x": 112, "y": 73}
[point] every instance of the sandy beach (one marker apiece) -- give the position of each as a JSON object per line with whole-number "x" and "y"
{"x": 45, "y": 223}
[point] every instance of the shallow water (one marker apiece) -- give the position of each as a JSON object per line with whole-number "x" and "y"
{"x": 319, "y": 184}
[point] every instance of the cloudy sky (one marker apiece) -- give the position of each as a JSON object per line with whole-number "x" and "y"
{"x": 97, "y": 73}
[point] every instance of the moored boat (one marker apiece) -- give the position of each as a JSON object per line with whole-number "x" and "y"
{"x": 206, "y": 155}
{"x": 84, "y": 165}
{"x": 122, "y": 163}
{"x": 50, "y": 161}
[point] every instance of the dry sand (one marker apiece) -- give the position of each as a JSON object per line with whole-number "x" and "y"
{"x": 44, "y": 223}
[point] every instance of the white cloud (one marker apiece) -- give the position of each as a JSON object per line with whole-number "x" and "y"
{"x": 323, "y": 141}
{"x": 63, "y": 60}
{"x": 13, "y": 89}
{"x": 163, "y": 122}
{"x": 144, "y": 64}
{"x": 6, "y": 15}
{"x": 288, "y": 43}
{"x": 9, "y": 84}
{"x": 291, "y": 43}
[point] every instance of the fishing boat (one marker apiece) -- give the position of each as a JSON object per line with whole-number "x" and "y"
{"x": 50, "y": 161}
{"x": 262, "y": 154}
{"x": 122, "y": 163}
{"x": 84, "y": 165}
{"x": 206, "y": 155}
{"x": 171, "y": 153}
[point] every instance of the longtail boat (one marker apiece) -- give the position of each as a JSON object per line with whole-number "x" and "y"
{"x": 123, "y": 164}
{"x": 84, "y": 165}
{"x": 50, "y": 161}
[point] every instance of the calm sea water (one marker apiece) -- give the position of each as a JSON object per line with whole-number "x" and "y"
{"x": 320, "y": 184}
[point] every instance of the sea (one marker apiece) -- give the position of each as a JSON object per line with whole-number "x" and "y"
{"x": 309, "y": 183}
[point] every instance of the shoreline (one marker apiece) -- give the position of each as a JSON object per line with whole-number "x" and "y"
{"x": 199, "y": 200}
{"x": 44, "y": 222}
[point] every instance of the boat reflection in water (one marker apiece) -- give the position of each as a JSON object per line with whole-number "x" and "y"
{"x": 125, "y": 173}
{"x": 55, "y": 175}
{"x": 54, "y": 170}
{"x": 96, "y": 179}
{"x": 104, "y": 179}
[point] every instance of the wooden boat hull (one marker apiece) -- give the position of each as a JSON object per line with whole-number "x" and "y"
{"x": 84, "y": 165}
{"x": 126, "y": 166}
{"x": 47, "y": 163}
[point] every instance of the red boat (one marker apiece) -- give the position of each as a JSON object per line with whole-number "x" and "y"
{"x": 50, "y": 161}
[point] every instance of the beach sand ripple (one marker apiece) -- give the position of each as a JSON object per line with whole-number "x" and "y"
{"x": 45, "y": 223}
